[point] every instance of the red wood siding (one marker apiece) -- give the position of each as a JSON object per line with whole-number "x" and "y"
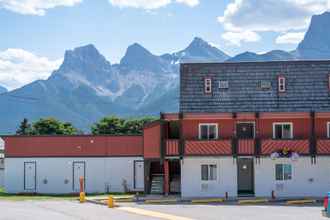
{"x": 246, "y": 146}
{"x": 151, "y": 141}
{"x": 301, "y": 127}
{"x": 172, "y": 147}
{"x": 270, "y": 146}
{"x": 264, "y": 126}
{"x": 222, "y": 147}
{"x": 321, "y": 127}
{"x": 75, "y": 146}
{"x": 323, "y": 146}
{"x": 190, "y": 128}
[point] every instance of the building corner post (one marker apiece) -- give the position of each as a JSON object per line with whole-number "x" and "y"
{"x": 312, "y": 138}
{"x": 166, "y": 177}
{"x": 181, "y": 139}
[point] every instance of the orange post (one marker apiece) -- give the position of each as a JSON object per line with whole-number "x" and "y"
{"x": 82, "y": 195}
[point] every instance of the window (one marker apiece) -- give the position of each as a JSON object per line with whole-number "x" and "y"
{"x": 281, "y": 84}
{"x": 329, "y": 81}
{"x": 282, "y": 131}
{"x": 208, "y": 131}
{"x": 208, "y": 172}
{"x": 223, "y": 84}
{"x": 207, "y": 85}
{"x": 328, "y": 129}
{"x": 265, "y": 85}
{"x": 283, "y": 172}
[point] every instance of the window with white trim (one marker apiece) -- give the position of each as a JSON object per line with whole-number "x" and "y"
{"x": 208, "y": 172}
{"x": 208, "y": 85}
{"x": 282, "y": 131}
{"x": 283, "y": 172}
{"x": 281, "y": 84}
{"x": 208, "y": 131}
{"x": 328, "y": 129}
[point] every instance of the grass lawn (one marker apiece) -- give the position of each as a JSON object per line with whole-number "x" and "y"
{"x": 18, "y": 197}
{"x": 14, "y": 197}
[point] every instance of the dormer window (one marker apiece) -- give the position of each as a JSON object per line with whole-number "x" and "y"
{"x": 281, "y": 84}
{"x": 207, "y": 85}
{"x": 329, "y": 82}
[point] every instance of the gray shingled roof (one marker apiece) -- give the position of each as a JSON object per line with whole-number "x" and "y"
{"x": 306, "y": 87}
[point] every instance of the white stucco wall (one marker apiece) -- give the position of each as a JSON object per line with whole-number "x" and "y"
{"x": 102, "y": 174}
{"x": 307, "y": 179}
{"x": 192, "y": 183}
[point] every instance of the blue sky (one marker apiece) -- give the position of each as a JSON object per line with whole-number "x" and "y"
{"x": 35, "y": 32}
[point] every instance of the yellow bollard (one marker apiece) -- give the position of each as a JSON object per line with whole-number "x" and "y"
{"x": 82, "y": 197}
{"x": 111, "y": 202}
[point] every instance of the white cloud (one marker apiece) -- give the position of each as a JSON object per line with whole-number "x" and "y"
{"x": 190, "y": 3}
{"x": 290, "y": 38}
{"x": 144, "y": 4}
{"x": 150, "y": 4}
{"x": 35, "y": 7}
{"x": 19, "y": 67}
{"x": 235, "y": 38}
{"x": 270, "y": 15}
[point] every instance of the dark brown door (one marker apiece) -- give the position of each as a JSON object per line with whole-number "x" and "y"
{"x": 245, "y": 130}
{"x": 245, "y": 176}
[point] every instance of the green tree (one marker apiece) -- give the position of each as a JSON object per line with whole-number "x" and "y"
{"x": 51, "y": 126}
{"x": 24, "y": 128}
{"x": 108, "y": 125}
{"x": 116, "y": 126}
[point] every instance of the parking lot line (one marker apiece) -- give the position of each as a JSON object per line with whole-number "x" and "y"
{"x": 152, "y": 213}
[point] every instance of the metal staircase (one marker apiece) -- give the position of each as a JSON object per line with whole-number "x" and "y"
{"x": 157, "y": 184}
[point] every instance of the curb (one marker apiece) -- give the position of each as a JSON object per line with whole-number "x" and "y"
{"x": 206, "y": 201}
{"x": 160, "y": 201}
{"x": 301, "y": 202}
{"x": 252, "y": 201}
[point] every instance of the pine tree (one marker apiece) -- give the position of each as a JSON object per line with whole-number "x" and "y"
{"x": 24, "y": 128}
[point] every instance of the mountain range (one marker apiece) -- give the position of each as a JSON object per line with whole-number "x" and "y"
{"x": 87, "y": 87}
{"x": 3, "y": 89}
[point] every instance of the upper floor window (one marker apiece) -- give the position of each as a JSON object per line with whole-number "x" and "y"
{"x": 208, "y": 131}
{"x": 283, "y": 172}
{"x": 208, "y": 85}
{"x": 281, "y": 84}
{"x": 208, "y": 172}
{"x": 282, "y": 131}
{"x": 328, "y": 129}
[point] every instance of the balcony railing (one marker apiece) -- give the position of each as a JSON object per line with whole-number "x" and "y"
{"x": 246, "y": 146}
{"x": 208, "y": 147}
{"x": 268, "y": 146}
{"x": 172, "y": 147}
{"x": 323, "y": 146}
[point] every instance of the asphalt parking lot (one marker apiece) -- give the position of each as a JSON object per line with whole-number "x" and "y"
{"x": 71, "y": 210}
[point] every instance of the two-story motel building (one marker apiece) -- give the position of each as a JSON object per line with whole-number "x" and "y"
{"x": 252, "y": 128}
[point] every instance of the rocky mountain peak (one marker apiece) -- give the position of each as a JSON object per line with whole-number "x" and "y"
{"x": 316, "y": 43}
{"x": 85, "y": 65}
{"x": 200, "y": 51}
{"x": 140, "y": 59}
{"x": 85, "y": 54}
